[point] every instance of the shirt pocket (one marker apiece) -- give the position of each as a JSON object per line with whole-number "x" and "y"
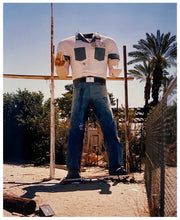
{"x": 80, "y": 53}
{"x": 99, "y": 53}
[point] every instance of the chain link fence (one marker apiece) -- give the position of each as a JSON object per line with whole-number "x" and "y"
{"x": 161, "y": 155}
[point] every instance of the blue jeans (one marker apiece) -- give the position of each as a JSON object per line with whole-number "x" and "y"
{"x": 83, "y": 94}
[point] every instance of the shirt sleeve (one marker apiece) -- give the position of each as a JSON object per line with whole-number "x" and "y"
{"x": 113, "y": 52}
{"x": 63, "y": 47}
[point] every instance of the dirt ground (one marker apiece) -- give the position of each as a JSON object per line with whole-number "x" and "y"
{"x": 91, "y": 199}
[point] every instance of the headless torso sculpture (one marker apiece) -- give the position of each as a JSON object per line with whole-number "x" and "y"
{"x": 89, "y": 56}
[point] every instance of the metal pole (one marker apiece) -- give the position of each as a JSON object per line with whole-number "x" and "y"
{"x": 117, "y": 104}
{"x": 117, "y": 116}
{"x": 52, "y": 127}
{"x": 126, "y": 111}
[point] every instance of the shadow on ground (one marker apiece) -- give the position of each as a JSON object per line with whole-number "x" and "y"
{"x": 33, "y": 188}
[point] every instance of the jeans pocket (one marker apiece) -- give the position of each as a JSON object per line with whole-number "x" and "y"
{"x": 80, "y": 53}
{"x": 99, "y": 53}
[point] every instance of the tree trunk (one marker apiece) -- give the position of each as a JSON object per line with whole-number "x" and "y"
{"x": 157, "y": 78}
{"x": 17, "y": 204}
{"x": 147, "y": 91}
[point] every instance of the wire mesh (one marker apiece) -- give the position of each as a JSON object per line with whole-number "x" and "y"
{"x": 161, "y": 155}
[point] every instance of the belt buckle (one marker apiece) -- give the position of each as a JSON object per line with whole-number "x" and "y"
{"x": 89, "y": 79}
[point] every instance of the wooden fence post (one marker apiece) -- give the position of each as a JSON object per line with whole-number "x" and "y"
{"x": 126, "y": 111}
{"x": 52, "y": 127}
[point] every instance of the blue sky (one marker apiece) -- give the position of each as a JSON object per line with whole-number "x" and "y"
{"x": 26, "y": 37}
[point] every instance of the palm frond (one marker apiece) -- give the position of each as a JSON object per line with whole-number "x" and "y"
{"x": 138, "y": 57}
{"x": 137, "y": 75}
{"x": 142, "y": 71}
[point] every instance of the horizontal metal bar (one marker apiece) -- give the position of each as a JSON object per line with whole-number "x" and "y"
{"x": 55, "y": 77}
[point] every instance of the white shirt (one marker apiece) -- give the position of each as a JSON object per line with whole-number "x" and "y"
{"x": 88, "y": 57}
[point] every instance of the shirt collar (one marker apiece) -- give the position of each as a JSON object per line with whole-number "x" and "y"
{"x": 80, "y": 36}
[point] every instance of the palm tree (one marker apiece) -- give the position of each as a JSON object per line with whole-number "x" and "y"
{"x": 161, "y": 52}
{"x": 144, "y": 73}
